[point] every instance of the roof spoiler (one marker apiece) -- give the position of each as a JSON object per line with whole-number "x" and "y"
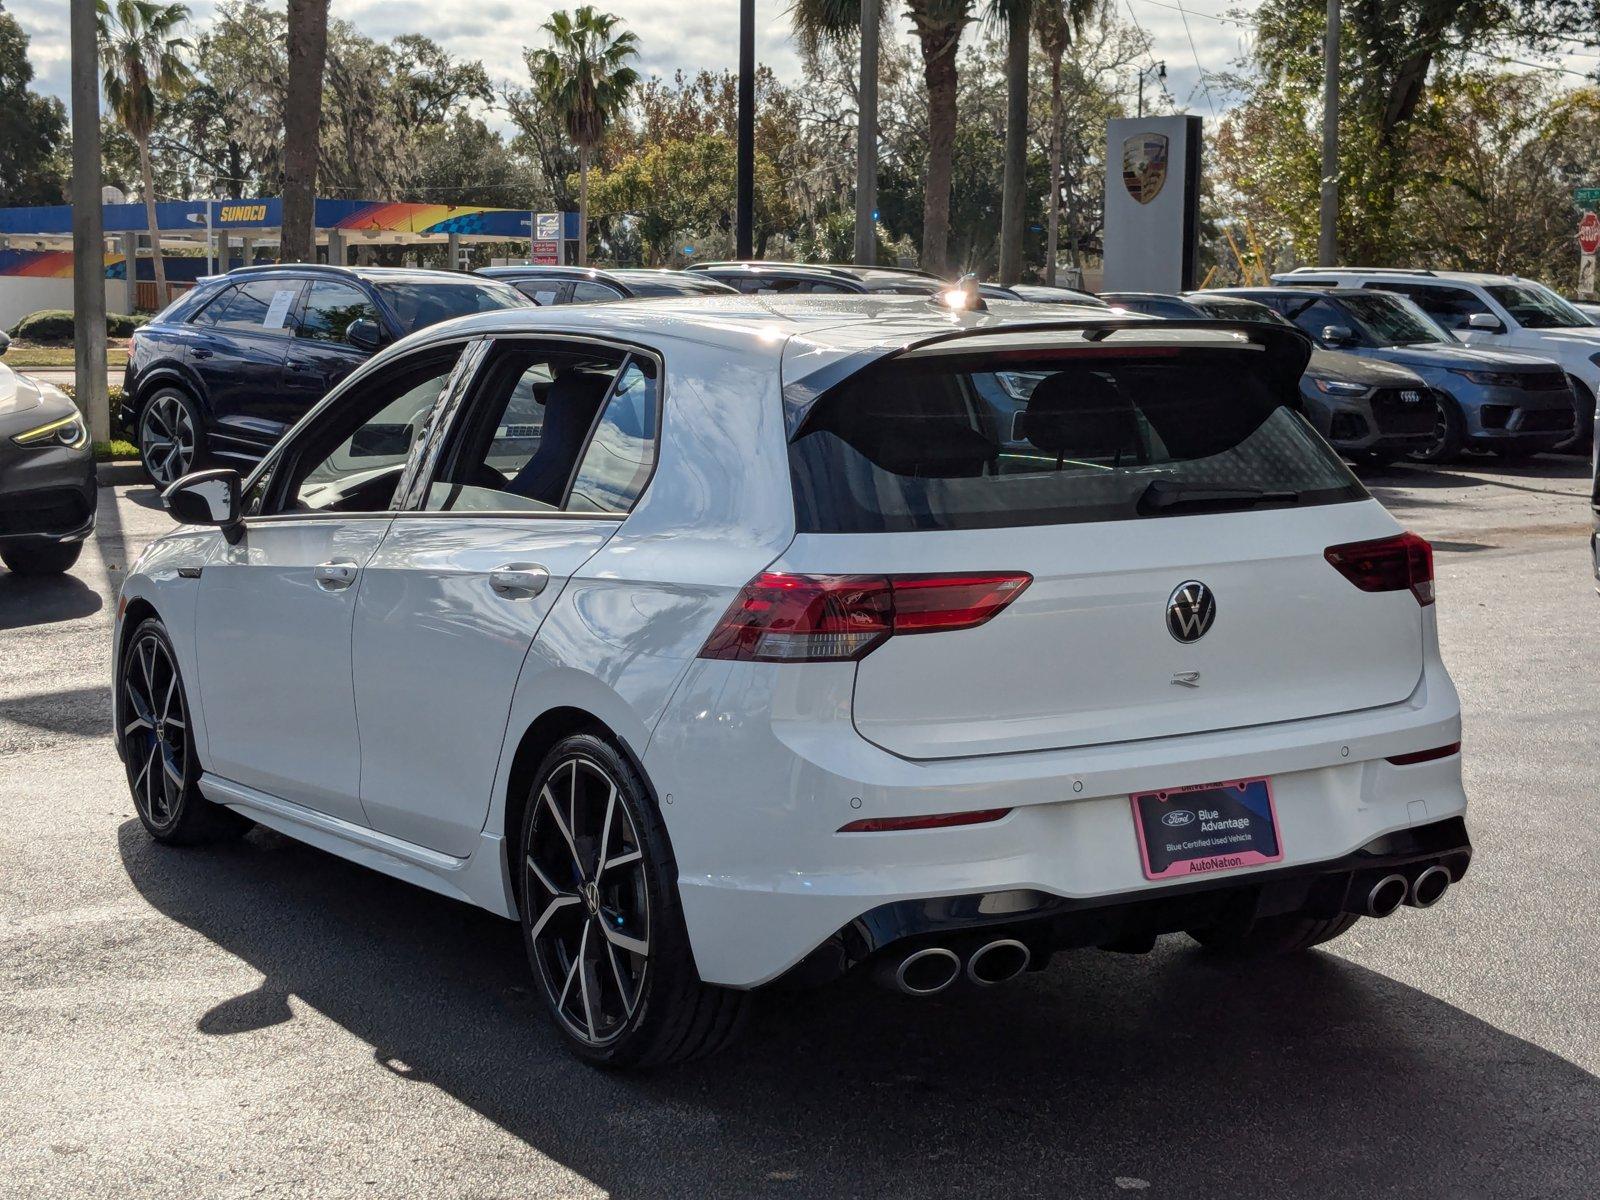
{"x": 1286, "y": 352}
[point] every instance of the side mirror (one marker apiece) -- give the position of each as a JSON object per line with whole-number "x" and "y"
{"x": 205, "y": 498}
{"x": 1487, "y": 322}
{"x": 1337, "y": 335}
{"x": 364, "y": 334}
{"x": 5, "y": 342}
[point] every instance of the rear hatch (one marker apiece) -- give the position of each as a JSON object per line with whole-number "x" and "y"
{"x": 1143, "y": 469}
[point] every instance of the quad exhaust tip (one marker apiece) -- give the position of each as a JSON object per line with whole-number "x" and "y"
{"x": 1386, "y": 895}
{"x": 927, "y": 972}
{"x": 1429, "y": 887}
{"x": 997, "y": 961}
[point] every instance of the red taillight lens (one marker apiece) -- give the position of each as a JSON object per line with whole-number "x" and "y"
{"x": 1387, "y": 565}
{"x": 942, "y": 821}
{"x": 1422, "y": 756}
{"x": 834, "y": 618}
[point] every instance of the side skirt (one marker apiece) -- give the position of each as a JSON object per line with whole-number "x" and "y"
{"x": 480, "y": 879}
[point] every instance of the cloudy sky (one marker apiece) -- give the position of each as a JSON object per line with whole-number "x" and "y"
{"x": 673, "y": 33}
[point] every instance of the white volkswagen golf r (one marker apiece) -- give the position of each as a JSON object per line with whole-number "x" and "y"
{"x": 736, "y": 641}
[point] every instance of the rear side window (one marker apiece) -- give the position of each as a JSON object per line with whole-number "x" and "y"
{"x": 950, "y": 442}
{"x": 262, "y": 306}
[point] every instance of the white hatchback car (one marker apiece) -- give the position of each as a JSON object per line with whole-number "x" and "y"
{"x": 740, "y": 640}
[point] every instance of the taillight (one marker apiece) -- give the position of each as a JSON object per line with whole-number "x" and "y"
{"x": 1392, "y": 564}
{"x": 1422, "y": 756}
{"x": 939, "y": 821}
{"x": 836, "y": 618}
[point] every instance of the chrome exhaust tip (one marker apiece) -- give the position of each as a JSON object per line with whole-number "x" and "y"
{"x": 1386, "y": 895}
{"x": 997, "y": 961}
{"x": 924, "y": 972}
{"x": 1428, "y": 888}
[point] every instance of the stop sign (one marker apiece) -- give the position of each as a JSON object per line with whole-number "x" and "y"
{"x": 1589, "y": 233}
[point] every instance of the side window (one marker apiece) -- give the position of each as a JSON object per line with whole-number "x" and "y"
{"x": 585, "y": 292}
{"x": 1317, "y": 316}
{"x": 622, "y": 452}
{"x": 819, "y": 288}
{"x": 1449, "y": 306}
{"x": 214, "y": 308}
{"x": 262, "y": 306}
{"x": 540, "y": 291}
{"x": 523, "y": 429}
{"x": 330, "y": 310}
{"x": 352, "y": 457}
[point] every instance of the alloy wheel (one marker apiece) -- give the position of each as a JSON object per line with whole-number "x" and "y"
{"x": 584, "y": 881}
{"x": 166, "y": 438}
{"x": 155, "y": 732}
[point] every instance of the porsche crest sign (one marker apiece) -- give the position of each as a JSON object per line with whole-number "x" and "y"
{"x": 1144, "y": 165}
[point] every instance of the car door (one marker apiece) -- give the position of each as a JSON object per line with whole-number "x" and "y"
{"x": 526, "y": 491}
{"x": 320, "y": 356}
{"x": 275, "y": 607}
{"x": 238, "y": 351}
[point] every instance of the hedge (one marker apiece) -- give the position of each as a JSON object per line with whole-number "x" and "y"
{"x": 54, "y": 326}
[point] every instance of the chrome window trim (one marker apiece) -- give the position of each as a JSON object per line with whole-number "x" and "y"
{"x": 413, "y": 486}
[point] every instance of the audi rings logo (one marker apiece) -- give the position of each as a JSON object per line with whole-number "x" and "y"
{"x": 1190, "y": 611}
{"x": 1178, "y": 816}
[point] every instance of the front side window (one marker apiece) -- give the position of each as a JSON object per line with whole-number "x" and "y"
{"x": 1536, "y": 307}
{"x": 330, "y": 310}
{"x": 1393, "y": 320}
{"x": 929, "y": 443}
{"x": 418, "y": 304}
{"x": 542, "y": 292}
{"x": 351, "y": 458}
{"x": 1318, "y": 314}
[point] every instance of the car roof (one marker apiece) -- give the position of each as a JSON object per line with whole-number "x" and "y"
{"x": 530, "y": 270}
{"x": 801, "y": 270}
{"x": 333, "y": 270}
{"x": 1409, "y": 274}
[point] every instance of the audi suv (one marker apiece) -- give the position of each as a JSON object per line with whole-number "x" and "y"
{"x": 725, "y": 644}
{"x": 224, "y": 370}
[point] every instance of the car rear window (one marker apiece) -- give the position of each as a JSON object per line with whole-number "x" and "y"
{"x": 966, "y": 442}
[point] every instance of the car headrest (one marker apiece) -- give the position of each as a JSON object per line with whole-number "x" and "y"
{"x": 572, "y": 400}
{"x": 1079, "y": 413}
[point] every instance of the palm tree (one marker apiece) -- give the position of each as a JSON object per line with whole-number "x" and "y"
{"x": 1016, "y": 16}
{"x": 141, "y": 63}
{"x": 1057, "y": 23}
{"x": 584, "y": 77}
{"x": 938, "y": 25}
{"x": 302, "y": 127}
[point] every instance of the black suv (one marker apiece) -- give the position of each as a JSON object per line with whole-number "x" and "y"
{"x": 226, "y": 369}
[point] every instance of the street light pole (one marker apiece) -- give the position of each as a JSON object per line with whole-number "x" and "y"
{"x": 745, "y": 223}
{"x": 1328, "y": 233}
{"x": 1159, "y": 70}
{"x": 88, "y": 226}
{"x": 867, "y": 138}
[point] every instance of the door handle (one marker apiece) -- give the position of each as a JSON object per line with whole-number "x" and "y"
{"x": 334, "y": 576}
{"x": 516, "y": 580}
{"x": 201, "y": 352}
{"x": 296, "y": 364}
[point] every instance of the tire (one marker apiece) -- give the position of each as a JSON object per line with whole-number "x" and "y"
{"x": 1286, "y": 933}
{"x": 158, "y": 746}
{"x": 172, "y": 439}
{"x": 601, "y": 919}
{"x": 55, "y": 558}
{"x": 1450, "y": 435}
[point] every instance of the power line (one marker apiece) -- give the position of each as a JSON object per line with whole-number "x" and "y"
{"x": 1204, "y": 86}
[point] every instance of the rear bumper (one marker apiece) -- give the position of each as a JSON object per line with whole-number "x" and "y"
{"x": 758, "y": 767}
{"x": 1047, "y": 923}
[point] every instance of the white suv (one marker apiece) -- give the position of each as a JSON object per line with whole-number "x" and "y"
{"x": 745, "y": 640}
{"x": 1500, "y": 312}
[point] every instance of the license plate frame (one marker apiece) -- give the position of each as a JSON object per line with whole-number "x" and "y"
{"x": 1228, "y": 826}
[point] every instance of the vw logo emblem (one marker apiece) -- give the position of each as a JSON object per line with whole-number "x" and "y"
{"x": 1190, "y": 611}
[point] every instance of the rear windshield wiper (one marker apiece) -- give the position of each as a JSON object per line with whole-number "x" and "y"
{"x": 1167, "y": 495}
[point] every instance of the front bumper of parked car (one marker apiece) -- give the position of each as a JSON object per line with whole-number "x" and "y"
{"x": 47, "y": 494}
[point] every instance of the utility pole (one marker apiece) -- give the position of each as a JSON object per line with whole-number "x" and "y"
{"x": 88, "y": 232}
{"x": 867, "y": 139}
{"x": 745, "y": 225}
{"x": 1328, "y": 234}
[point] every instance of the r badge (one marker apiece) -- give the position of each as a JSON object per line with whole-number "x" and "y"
{"x": 1144, "y": 165}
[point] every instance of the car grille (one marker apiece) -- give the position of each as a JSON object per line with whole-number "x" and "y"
{"x": 1546, "y": 420}
{"x": 56, "y": 510}
{"x": 1403, "y": 410}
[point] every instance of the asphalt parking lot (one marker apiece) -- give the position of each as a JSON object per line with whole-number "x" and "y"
{"x": 265, "y": 1019}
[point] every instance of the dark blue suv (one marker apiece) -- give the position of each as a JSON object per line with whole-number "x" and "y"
{"x": 224, "y": 371}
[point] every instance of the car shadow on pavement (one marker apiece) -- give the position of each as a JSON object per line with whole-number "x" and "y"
{"x": 1175, "y": 1071}
{"x": 28, "y": 600}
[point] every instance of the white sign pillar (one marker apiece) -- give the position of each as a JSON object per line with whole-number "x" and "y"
{"x": 1152, "y": 203}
